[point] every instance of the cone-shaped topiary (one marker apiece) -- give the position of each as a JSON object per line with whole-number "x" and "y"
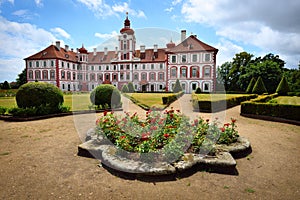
{"x": 130, "y": 87}
{"x": 106, "y": 94}
{"x": 198, "y": 90}
{"x": 283, "y": 87}
{"x": 259, "y": 87}
{"x": 37, "y": 94}
{"x": 177, "y": 87}
{"x": 250, "y": 86}
{"x": 125, "y": 89}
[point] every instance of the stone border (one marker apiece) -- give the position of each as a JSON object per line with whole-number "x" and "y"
{"x": 221, "y": 162}
{"x": 270, "y": 118}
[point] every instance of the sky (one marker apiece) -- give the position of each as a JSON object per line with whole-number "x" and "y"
{"x": 255, "y": 26}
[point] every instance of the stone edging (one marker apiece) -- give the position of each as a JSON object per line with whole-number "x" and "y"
{"x": 270, "y": 118}
{"x": 223, "y": 160}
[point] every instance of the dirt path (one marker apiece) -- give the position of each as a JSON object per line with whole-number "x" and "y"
{"x": 38, "y": 161}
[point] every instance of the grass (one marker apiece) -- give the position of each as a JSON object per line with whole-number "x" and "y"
{"x": 287, "y": 100}
{"x": 8, "y": 102}
{"x": 217, "y": 97}
{"x": 150, "y": 99}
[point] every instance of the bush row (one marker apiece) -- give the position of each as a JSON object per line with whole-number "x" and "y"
{"x": 135, "y": 101}
{"x": 171, "y": 98}
{"x": 290, "y": 112}
{"x": 215, "y": 106}
{"x": 264, "y": 98}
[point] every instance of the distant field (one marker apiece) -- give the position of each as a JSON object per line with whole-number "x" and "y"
{"x": 216, "y": 97}
{"x": 287, "y": 100}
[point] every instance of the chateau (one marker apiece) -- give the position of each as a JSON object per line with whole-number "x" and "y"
{"x": 156, "y": 69}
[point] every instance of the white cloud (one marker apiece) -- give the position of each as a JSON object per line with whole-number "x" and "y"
{"x": 39, "y": 3}
{"x": 175, "y": 2}
{"x": 272, "y": 27}
{"x": 18, "y": 41}
{"x": 169, "y": 9}
{"x": 227, "y": 51}
{"x": 60, "y": 32}
{"x": 106, "y": 36}
{"x": 103, "y": 9}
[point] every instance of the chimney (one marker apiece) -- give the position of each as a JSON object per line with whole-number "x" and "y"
{"x": 58, "y": 45}
{"x": 67, "y": 47}
{"x": 116, "y": 51}
{"x": 155, "y": 48}
{"x": 95, "y": 52}
{"x": 143, "y": 48}
{"x": 183, "y": 35}
{"x": 105, "y": 51}
{"x": 72, "y": 49}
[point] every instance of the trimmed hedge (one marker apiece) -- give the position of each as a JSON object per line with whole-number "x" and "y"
{"x": 259, "y": 87}
{"x": 290, "y": 112}
{"x": 171, "y": 98}
{"x": 264, "y": 98}
{"x": 283, "y": 87}
{"x": 215, "y": 106}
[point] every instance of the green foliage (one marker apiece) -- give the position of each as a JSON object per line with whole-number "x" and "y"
{"x": 130, "y": 87}
{"x": 198, "y": 90}
{"x": 106, "y": 94}
{"x": 171, "y": 98}
{"x": 40, "y": 95}
{"x": 2, "y": 110}
{"x": 283, "y": 87}
{"x": 6, "y": 85}
{"x": 22, "y": 78}
{"x": 250, "y": 86}
{"x": 125, "y": 89}
{"x": 259, "y": 87}
{"x": 37, "y": 110}
{"x": 177, "y": 87}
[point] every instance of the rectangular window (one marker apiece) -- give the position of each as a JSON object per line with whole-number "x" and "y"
{"x": 206, "y": 86}
{"x": 62, "y": 64}
{"x": 92, "y": 77}
{"x": 115, "y": 77}
{"x": 74, "y": 76}
{"x": 92, "y": 68}
{"x": 99, "y": 68}
{"x": 122, "y": 76}
{"x": 73, "y": 66}
{"x": 194, "y": 58}
{"x": 107, "y": 67}
{"x": 87, "y": 77}
{"x": 183, "y": 58}
{"x": 173, "y": 72}
{"x": 62, "y": 74}
{"x": 144, "y": 66}
{"x": 87, "y": 68}
{"x": 127, "y": 76}
{"x": 161, "y": 66}
{"x": 52, "y": 74}
{"x": 68, "y": 65}
{"x": 115, "y": 67}
{"x": 45, "y": 75}
{"x": 183, "y": 72}
{"x": 52, "y": 63}
{"x": 121, "y": 67}
{"x": 173, "y": 59}
{"x": 194, "y": 86}
{"x": 144, "y": 77}
{"x": 161, "y": 76}
{"x": 207, "y": 57}
{"x": 152, "y": 66}
{"x": 69, "y": 75}
{"x": 207, "y": 72}
{"x": 128, "y": 67}
{"x": 125, "y": 56}
{"x": 194, "y": 72}
{"x": 135, "y": 67}
{"x": 107, "y": 77}
{"x": 30, "y": 64}
{"x": 152, "y": 76}
{"x": 45, "y": 63}
{"x": 37, "y": 64}
{"x": 136, "y": 77}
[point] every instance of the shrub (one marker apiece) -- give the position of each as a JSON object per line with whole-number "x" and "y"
{"x": 106, "y": 94}
{"x": 259, "y": 87}
{"x": 125, "y": 89}
{"x": 177, "y": 87}
{"x": 130, "y": 87}
{"x": 171, "y": 98}
{"x": 198, "y": 90}
{"x": 250, "y": 86}
{"x": 283, "y": 87}
{"x": 39, "y": 95}
{"x": 2, "y": 110}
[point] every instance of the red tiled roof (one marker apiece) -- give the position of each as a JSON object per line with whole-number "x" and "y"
{"x": 101, "y": 58}
{"x": 151, "y": 56}
{"x": 52, "y": 52}
{"x": 192, "y": 43}
{"x": 83, "y": 50}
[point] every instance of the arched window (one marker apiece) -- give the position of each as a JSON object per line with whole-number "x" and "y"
{"x": 45, "y": 75}
{"x": 206, "y": 71}
{"x": 37, "y": 75}
{"x": 69, "y": 75}
{"x": 30, "y": 74}
{"x": 173, "y": 72}
{"x": 62, "y": 74}
{"x": 194, "y": 72}
{"x": 52, "y": 74}
{"x": 183, "y": 72}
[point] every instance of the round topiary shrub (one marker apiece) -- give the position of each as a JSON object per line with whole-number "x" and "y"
{"x": 40, "y": 95}
{"x": 106, "y": 95}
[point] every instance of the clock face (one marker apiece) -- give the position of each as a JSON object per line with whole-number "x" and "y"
{"x": 124, "y": 36}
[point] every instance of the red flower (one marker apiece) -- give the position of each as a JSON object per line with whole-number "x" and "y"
{"x": 233, "y": 120}
{"x": 207, "y": 120}
{"x": 105, "y": 113}
{"x": 145, "y": 136}
{"x": 123, "y": 137}
{"x": 153, "y": 128}
{"x": 196, "y": 121}
{"x": 222, "y": 129}
{"x": 166, "y": 135}
{"x": 226, "y": 124}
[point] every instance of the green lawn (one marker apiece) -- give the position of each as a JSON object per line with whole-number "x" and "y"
{"x": 287, "y": 100}
{"x": 216, "y": 97}
{"x": 150, "y": 99}
{"x": 75, "y": 102}
{"x": 8, "y": 102}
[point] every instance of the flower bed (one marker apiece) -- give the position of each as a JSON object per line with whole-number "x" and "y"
{"x": 164, "y": 136}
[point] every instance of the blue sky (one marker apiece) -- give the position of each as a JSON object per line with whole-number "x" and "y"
{"x": 258, "y": 27}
